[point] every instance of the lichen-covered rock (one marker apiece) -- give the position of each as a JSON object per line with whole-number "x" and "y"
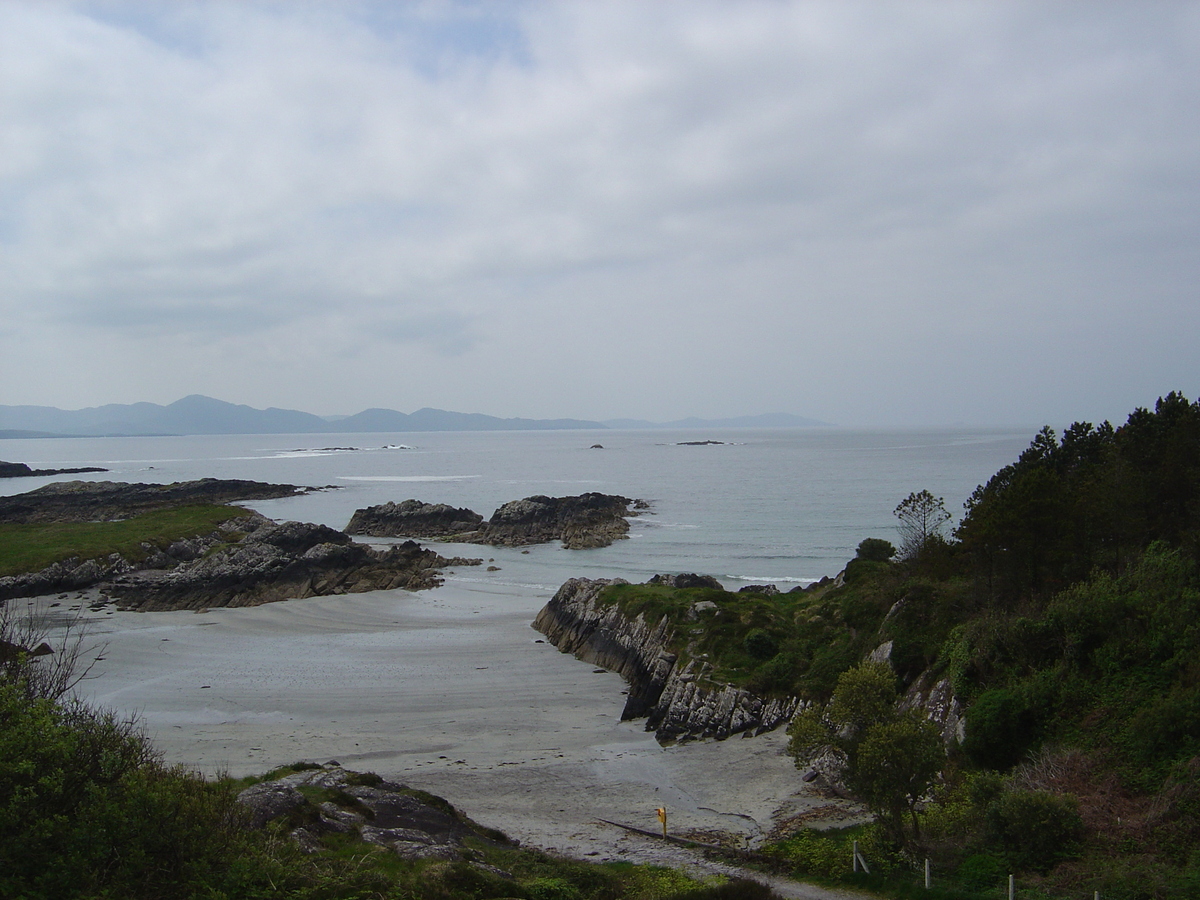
{"x": 380, "y": 812}
{"x": 679, "y": 702}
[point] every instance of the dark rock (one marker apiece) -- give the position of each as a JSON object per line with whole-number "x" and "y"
{"x": 99, "y": 501}
{"x": 769, "y": 589}
{"x": 597, "y": 447}
{"x": 678, "y": 702}
{"x": 587, "y": 520}
{"x": 245, "y": 562}
{"x": 687, "y": 580}
{"x": 21, "y": 470}
{"x": 412, "y": 518}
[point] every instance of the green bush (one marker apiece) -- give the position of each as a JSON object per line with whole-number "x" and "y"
{"x": 980, "y": 871}
{"x": 759, "y": 644}
{"x": 1036, "y": 829}
{"x": 1001, "y": 728}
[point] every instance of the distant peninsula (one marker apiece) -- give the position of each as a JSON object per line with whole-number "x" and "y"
{"x": 197, "y": 414}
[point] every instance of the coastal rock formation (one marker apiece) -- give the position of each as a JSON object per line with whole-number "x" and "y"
{"x": 328, "y": 799}
{"x": 245, "y": 561}
{"x": 22, "y": 470}
{"x": 412, "y": 518}
{"x": 580, "y": 522}
{"x": 103, "y": 501}
{"x": 271, "y": 562}
{"x": 679, "y": 702}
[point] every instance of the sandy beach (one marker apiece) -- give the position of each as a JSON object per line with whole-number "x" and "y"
{"x": 448, "y": 690}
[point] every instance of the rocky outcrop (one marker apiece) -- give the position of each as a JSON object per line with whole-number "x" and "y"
{"x": 245, "y": 562}
{"x": 103, "y": 501}
{"x": 271, "y": 562}
{"x": 412, "y": 518}
{"x": 21, "y": 470}
{"x": 679, "y": 702}
{"x": 329, "y": 800}
{"x": 580, "y": 522}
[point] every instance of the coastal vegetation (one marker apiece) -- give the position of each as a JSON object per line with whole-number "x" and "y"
{"x": 29, "y": 546}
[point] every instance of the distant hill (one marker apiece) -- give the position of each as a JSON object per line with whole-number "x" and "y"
{"x": 197, "y": 414}
{"x": 766, "y": 420}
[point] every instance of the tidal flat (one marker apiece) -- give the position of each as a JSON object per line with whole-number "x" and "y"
{"x": 448, "y": 690}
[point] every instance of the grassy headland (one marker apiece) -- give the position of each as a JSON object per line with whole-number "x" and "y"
{"x": 28, "y": 547}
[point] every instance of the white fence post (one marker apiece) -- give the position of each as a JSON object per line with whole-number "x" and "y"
{"x": 927, "y": 881}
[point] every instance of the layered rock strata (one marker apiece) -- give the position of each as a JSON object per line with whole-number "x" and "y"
{"x": 678, "y": 701}
{"x": 580, "y": 522}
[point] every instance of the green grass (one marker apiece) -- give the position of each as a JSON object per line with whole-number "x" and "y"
{"x": 31, "y": 547}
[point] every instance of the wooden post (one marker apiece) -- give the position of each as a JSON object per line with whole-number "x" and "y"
{"x": 927, "y": 883}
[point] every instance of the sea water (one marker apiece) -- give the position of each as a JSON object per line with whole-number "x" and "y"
{"x": 783, "y": 506}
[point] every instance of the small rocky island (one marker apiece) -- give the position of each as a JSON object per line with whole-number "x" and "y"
{"x": 234, "y": 558}
{"x": 580, "y": 522}
{"x": 22, "y": 470}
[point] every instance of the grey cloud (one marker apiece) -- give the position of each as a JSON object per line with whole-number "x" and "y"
{"x": 488, "y": 181}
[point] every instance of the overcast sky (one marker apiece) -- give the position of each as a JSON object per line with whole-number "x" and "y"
{"x": 873, "y": 214}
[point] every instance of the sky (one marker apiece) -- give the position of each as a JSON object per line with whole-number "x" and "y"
{"x": 874, "y": 214}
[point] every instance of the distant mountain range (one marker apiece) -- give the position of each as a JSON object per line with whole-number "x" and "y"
{"x": 197, "y": 414}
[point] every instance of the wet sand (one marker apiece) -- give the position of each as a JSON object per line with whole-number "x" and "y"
{"x": 450, "y": 691}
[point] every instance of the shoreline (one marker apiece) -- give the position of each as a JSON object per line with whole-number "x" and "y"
{"x": 448, "y": 690}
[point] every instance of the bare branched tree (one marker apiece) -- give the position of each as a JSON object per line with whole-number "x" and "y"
{"x": 46, "y": 655}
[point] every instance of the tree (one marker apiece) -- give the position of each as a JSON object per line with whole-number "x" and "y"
{"x": 896, "y": 765}
{"x": 890, "y": 758}
{"x": 922, "y": 517}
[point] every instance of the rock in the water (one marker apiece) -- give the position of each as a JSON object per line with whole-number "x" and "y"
{"x": 587, "y": 520}
{"x": 412, "y": 518}
{"x": 22, "y": 470}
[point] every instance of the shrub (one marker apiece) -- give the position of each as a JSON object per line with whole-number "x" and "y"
{"x": 1037, "y": 829}
{"x": 759, "y": 644}
{"x": 875, "y": 550}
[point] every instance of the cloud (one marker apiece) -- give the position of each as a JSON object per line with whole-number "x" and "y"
{"x": 719, "y": 208}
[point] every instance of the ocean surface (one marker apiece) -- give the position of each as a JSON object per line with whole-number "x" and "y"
{"x": 786, "y": 506}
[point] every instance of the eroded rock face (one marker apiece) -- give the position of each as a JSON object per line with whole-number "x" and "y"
{"x": 412, "y": 518}
{"x": 380, "y": 812}
{"x": 580, "y": 522}
{"x": 679, "y": 702}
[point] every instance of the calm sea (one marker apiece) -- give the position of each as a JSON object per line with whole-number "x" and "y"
{"x": 785, "y": 506}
